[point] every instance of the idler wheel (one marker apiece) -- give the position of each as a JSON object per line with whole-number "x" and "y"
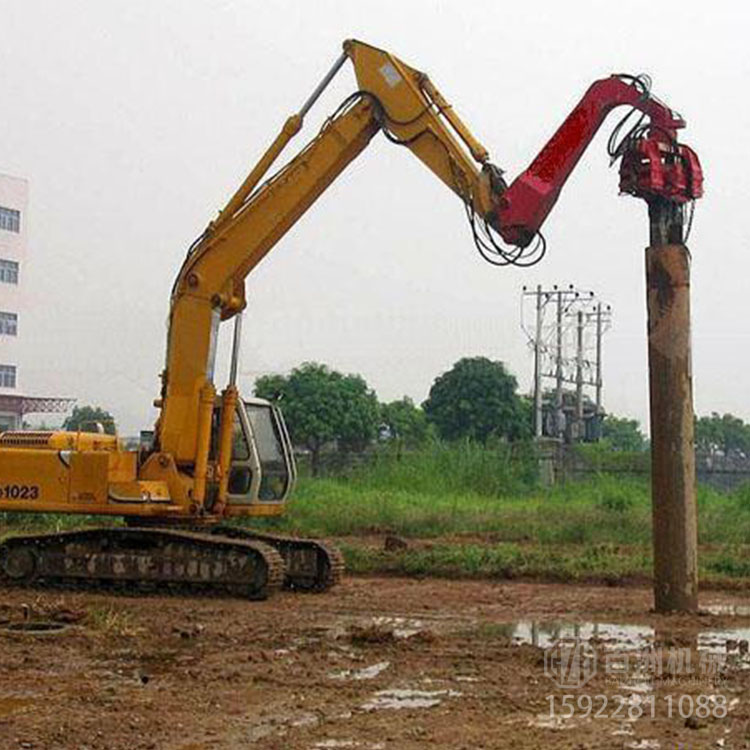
{"x": 18, "y": 563}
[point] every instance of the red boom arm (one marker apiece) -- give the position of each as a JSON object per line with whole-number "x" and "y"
{"x": 653, "y": 166}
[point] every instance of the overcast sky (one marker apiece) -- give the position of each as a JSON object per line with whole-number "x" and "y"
{"x": 135, "y": 120}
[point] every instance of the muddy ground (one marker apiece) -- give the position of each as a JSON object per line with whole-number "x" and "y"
{"x": 377, "y": 663}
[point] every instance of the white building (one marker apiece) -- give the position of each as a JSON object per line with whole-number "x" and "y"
{"x": 14, "y": 198}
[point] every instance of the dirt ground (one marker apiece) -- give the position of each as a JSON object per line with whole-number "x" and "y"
{"x": 377, "y": 663}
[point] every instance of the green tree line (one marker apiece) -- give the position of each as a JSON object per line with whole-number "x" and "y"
{"x": 477, "y": 399}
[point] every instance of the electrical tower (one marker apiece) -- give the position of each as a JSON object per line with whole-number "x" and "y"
{"x": 567, "y": 345}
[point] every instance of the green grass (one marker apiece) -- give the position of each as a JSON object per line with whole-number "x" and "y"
{"x": 594, "y": 512}
{"x": 609, "y": 564}
{"x": 490, "y": 519}
{"x": 504, "y": 561}
{"x": 445, "y": 491}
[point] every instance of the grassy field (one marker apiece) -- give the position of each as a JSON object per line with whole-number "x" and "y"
{"x": 466, "y": 490}
{"x": 470, "y": 512}
{"x": 465, "y": 511}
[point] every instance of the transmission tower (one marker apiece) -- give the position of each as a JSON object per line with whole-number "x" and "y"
{"x": 567, "y": 346}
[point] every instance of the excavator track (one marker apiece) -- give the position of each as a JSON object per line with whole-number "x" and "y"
{"x": 143, "y": 557}
{"x": 309, "y": 564}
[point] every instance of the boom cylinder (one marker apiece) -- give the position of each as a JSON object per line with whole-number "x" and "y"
{"x": 205, "y": 413}
{"x": 229, "y": 401}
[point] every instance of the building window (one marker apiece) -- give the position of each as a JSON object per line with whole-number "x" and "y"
{"x": 7, "y": 376}
{"x": 10, "y": 219}
{"x": 8, "y": 272}
{"x": 8, "y": 324}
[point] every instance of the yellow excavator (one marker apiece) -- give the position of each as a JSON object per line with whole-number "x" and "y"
{"x": 212, "y": 458}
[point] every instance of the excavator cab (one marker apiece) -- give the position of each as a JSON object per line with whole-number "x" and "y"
{"x": 262, "y": 470}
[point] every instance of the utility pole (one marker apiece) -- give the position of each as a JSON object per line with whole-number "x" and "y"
{"x": 579, "y": 375}
{"x": 599, "y": 358}
{"x": 559, "y": 368}
{"x": 538, "y": 365}
{"x": 673, "y": 500}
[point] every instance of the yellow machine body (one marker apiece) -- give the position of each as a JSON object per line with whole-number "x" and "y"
{"x": 91, "y": 473}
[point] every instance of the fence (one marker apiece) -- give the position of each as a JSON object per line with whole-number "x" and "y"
{"x": 571, "y": 463}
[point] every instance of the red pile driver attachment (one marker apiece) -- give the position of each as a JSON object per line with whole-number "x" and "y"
{"x": 656, "y": 166}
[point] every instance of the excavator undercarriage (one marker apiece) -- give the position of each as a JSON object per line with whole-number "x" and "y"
{"x": 230, "y": 560}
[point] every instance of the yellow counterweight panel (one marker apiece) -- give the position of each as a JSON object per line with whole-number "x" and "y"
{"x": 96, "y": 482}
{"x": 33, "y": 480}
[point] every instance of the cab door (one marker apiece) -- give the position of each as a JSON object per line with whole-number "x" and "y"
{"x": 262, "y": 470}
{"x": 244, "y": 472}
{"x": 274, "y": 451}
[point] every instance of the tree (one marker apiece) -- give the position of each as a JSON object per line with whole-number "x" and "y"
{"x": 477, "y": 399}
{"x": 623, "y": 434}
{"x": 86, "y": 418}
{"x": 322, "y": 406}
{"x": 406, "y": 422}
{"x": 726, "y": 434}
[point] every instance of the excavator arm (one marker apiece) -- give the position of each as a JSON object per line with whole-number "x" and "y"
{"x": 403, "y": 103}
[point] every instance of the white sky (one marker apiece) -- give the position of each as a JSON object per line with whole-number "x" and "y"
{"x": 134, "y": 120}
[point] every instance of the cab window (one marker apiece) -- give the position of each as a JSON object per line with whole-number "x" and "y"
{"x": 274, "y": 469}
{"x": 240, "y": 448}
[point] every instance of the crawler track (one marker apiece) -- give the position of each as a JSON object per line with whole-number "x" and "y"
{"x": 309, "y": 564}
{"x": 143, "y": 557}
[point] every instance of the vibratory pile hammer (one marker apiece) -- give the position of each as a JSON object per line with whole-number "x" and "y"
{"x": 215, "y": 458}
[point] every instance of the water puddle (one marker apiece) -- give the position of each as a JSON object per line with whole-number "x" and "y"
{"x": 332, "y": 744}
{"x": 304, "y": 720}
{"x": 730, "y": 610}
{"x": 398, "y": 699}
{"x": 34, "y": 627}
{"x": 281, "y": 724}
{"x": 545, "y": 721}
{"x": 732, "y": 643}
{"x": 637, "y": 658}
{"x": 401, "y": 627}
{"x": 624, "y": 730}
{"x": 609, "y": 636}
{"x": 366, "y": 673}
